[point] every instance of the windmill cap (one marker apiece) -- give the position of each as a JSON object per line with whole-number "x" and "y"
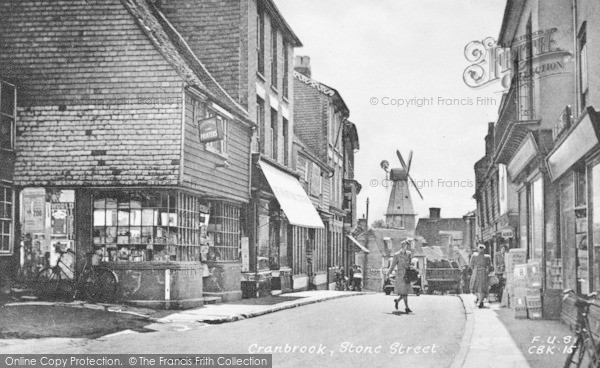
{"x": 398, "y": 174}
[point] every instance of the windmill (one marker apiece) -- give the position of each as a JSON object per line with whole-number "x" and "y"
{"x": 400, "y": 212}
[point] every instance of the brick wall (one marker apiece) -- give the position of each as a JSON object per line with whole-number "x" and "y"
{"x": 310, "y": 117}
{"x": 98, "y": 104}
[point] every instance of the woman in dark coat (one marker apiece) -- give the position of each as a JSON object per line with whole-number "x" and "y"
{"x": 401, "y": 260}
{"x": 480, "y": 264}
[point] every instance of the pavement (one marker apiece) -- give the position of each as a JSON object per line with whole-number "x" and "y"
{"x": 495, "y": 338}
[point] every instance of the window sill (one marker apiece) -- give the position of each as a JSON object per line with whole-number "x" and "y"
{"x": 261, "y": 76}
{"x": 274, "y": 89}
{"x": 286, "y": 99}
{"x": 213, "y": 151}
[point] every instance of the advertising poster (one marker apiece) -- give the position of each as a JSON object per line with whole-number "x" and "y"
{"x": 34, "y": 205}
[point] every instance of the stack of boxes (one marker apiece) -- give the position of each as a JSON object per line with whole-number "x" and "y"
{"x": 519, "y": 290}
{"x": 513, "y": 257}
{"x": 534, "y": 286}
{"x": 527, "y": 284}
{"x": 554, "y": 268}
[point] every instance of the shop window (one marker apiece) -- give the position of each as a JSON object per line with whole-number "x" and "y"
{"x": 7, "y": 115}
{"x": 225, "y": 231}
{"x": 537, "y": 219}
{"x": 283, "y": 248}
{"x": 580, "y": 189}
{"x": 140, "y": 226}
{"x": 569, "y": 250}
{"x": 263, "y": 242}
{"x": 523, "y": 219}
{"x": 595, "y": 233}
{"x": 6, "y": 222}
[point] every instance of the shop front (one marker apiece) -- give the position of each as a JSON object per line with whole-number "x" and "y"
{"x": 574, "y": 165}
{"x": 163, "y": 244}
{"x": 286, "y": 232}
{"x": 523, "y": 151}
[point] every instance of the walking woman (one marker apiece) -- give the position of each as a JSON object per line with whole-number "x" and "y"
{"x": 401, "y": 260}
{"x": 480, "y": 264}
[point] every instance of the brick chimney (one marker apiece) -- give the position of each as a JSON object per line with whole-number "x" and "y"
{"x": 434, "y": 212}
{"x": 302, "y": 65}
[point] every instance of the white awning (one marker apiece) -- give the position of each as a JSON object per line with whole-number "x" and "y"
{"x": 291, "y": 197}
{"x": 358, "y": 244}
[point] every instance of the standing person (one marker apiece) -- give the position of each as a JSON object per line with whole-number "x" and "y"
{"x": 351, "y": 278}
{"x": 500, "y": 270}
{"x": 466, "y": 276}
{"x": 358, "y": 276}
{"x": 480, "y": 264}
{"x": 402, "y": 287}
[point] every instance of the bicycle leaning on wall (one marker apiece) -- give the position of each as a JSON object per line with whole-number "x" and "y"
{"x": 97, "y": 282}
{"x": 586, "y": 351}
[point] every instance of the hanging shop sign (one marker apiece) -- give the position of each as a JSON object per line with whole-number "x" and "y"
{"x": 210, "y": 129}
{"x": 507, "y": 233}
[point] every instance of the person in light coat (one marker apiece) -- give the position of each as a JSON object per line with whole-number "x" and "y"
{"x": 401, "y": 261}
{"x": 481, "y": 265}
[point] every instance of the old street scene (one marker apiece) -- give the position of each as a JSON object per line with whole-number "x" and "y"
{"x": 300, "y": 183}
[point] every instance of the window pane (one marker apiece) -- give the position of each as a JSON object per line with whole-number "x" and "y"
{"x": 5, "y": 243}
{"x": 7, "y": 99}
{"x": 6, "y": 124}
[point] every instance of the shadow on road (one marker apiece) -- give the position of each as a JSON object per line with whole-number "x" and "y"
{"x": 39, "y": 321}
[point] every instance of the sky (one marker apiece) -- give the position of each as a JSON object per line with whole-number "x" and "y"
{"x": 387, "y": 58}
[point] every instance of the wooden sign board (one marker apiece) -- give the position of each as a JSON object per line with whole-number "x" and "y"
{"x": 210, "y": 129}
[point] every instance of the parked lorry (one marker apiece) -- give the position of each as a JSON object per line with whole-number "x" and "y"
{"x": 443, "y": 277}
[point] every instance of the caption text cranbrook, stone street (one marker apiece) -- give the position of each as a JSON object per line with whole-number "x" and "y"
{"x": 346, "y": 347}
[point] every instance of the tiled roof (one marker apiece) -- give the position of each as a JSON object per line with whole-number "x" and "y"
{"x": 100, "y": 92}
{"x": 175, "y": 49}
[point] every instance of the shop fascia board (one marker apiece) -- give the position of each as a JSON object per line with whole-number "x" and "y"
{"x": 574, "y": 145}
{"x": 509, "y": 136}
{"x": 526, "y": 152}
